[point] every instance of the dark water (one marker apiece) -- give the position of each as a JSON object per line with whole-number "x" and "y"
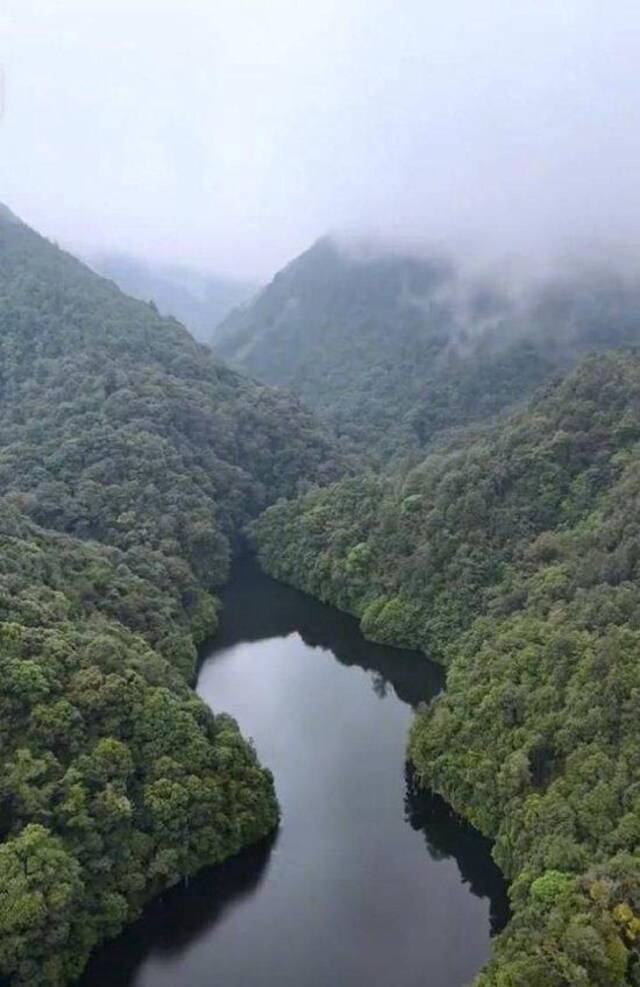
{"x": 368, "y": 883}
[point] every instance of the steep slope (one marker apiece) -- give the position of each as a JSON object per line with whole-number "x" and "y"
{"x": 199, "y": 300}
{"x": 395, "y": 350}
{"x": 115, "y": 779}
{"x": 346, "y": 334}
{"x": 129, "y": 460}
{"x": 116, "y": 425}
{"x": 516, "y": 561}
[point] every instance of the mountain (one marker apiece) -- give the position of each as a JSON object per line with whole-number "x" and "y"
{"x": 398, "y": 352}
{"x": 199, "y": 300}
{"x": 130, "y": 460}
{"x": 516, "y": 561}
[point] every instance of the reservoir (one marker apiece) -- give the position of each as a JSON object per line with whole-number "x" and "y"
{"x": 367, "y": 883}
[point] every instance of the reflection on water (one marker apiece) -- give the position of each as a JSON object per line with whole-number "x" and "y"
{"x": 182, "y": 915}
{"x": 197, "y": 907}
{"x": 257, "y": 608}
{"x": 369, "y": 881}
{"x": 447, "y": 835}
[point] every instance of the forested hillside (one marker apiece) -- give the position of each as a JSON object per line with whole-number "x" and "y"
{"x": 397, "y": 351}
{"x": 129, "y": 460}
{"x": 516, "y": 562}
{"x": 198, "y": 299}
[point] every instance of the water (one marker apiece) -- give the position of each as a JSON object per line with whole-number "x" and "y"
{"x": 367, "y": 883}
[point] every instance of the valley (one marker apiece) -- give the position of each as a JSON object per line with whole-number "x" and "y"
{"x": 183, "y": 737}
{"x": 367, "y": 880}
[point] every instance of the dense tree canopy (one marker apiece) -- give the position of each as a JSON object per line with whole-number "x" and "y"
{"x": 129, "y": 461}
{"x": 402, "y": 352}
{"x": 116, "y": 779}
{"x": 116, "y": 425}
{"x": 516, "y": 561}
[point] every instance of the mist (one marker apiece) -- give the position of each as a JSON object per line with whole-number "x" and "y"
{"x": 231, "y": 135}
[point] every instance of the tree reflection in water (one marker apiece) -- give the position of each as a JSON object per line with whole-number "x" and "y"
{"x": 182, "y": 932}
{"x": 447, "y": 835}
{"x": 180, "y": 916}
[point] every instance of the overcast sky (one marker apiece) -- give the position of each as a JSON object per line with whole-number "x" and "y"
{"x": 231, "y": 133}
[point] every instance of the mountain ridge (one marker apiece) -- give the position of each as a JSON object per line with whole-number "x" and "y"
{"x": 398, "y": 352}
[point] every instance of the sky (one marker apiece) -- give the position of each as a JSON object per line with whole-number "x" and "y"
{"x": 230, "y": 134}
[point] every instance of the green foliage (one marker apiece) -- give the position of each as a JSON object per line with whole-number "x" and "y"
{"x": 115, "y": 780}
{"x": 117, "y": 426}
{"x": 129, "y": 461}
{"x": 471, "y": 514}
{"x": 551, "y": 888}
{"x": 518, "y": 564}
{"x": 400, "y": 352}
{"x": 41, "y": 895}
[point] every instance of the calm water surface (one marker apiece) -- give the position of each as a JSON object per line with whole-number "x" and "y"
{"x": 367, "y": 883}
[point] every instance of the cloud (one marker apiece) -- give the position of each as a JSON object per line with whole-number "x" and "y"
{"x": 233, "y": 133}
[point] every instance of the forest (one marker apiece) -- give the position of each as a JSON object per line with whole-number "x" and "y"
{"x": 515, "y": 562}
{"x": 486, "y": 515}
{"x": 129, "y": 462}
{"x": 319, "y": 493}
{"x": 403, "y": 353}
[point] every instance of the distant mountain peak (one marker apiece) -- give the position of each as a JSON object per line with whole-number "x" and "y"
{"x": 395, "y": 346}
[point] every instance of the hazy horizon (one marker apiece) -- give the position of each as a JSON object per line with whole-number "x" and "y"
{"x": 231, "y": 137}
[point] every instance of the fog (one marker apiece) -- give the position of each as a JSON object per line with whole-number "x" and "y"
{"x": 231, "y": 134}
